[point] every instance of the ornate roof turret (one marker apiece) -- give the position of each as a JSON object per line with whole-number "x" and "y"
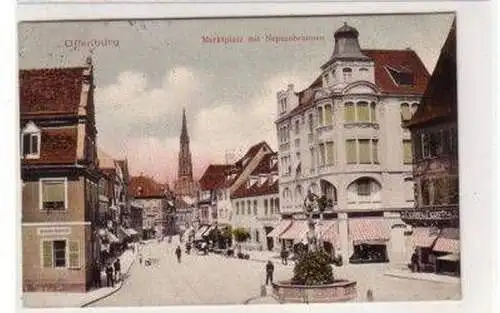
{"x": 346, "y": 46}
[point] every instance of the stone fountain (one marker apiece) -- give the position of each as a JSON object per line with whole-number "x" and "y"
{"x": 313, "y": 280}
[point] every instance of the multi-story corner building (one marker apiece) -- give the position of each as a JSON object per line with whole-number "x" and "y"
{"x": 343, "y": 137}
{"x": 60, "y": 178}
{"x": 146, "y": 193}
{"x": 256, "y": 204}
{"x": 219, "y": 182}
{"x": 435, "y": 172}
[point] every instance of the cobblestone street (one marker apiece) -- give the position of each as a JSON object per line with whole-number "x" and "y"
{"x": 214, "y": 279}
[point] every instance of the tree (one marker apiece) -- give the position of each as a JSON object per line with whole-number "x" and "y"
{"x": 313, "y": 268}
{"x": 240, "y": 235}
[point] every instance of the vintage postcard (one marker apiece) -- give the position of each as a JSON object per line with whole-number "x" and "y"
{"x": 210, "y": 161}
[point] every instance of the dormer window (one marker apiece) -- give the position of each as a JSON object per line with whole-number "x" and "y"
{"x": 30, "y": 141}
{"x": 401, "y": 76}
{"x": 347, "y": 73}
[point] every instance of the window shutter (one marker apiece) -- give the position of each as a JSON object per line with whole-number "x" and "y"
{"x": 351, "y": 151}
{"x": 364, "y": 151}
{"x": 349, "y": 112}
{"x": 47, "y": 253}
{"x": 363, "y": 112}
{"x": 74, "y": 254}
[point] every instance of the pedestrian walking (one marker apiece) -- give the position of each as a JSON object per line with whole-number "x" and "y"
{"x": 178, "y": 253}
{"x": 269, "y": 272}
{"x": 109, "y": 276}
{"x": 118, "y": 272}
{"x": 97, "y": 275}
{"x": 369, "y": 295}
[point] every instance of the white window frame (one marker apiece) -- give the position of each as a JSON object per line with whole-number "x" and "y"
{"x": 40, "y": 192}
{"x": 66, "y": 253}
{"x": 32, "y": 130}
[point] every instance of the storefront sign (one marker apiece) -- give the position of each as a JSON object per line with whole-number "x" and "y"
{"x": 430, "y": 214}
{"x": 53, "y": 231}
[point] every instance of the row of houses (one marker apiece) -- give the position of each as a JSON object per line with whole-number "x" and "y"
{"x": 377, "y": 135}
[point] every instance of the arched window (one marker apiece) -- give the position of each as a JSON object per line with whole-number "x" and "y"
{"x": 405, "y": 112}
{"x": 363, "y": 112}
{"x": 364, "y": 190}
{"x": 30, "y": 141}
{"x": 328, "y": 115}
{"x": 349, "y": 112}
{"x": 347, "y": 73}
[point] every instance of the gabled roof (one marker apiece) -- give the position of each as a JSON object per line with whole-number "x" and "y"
{"x": 399, "y": 61}
{"x": 440, "y": 99}
{"x": 214, "y": 176}
{"x": 252, "y": 152}
{"x": 50, "y": 91}
{"x": 264, "y": 166}
{"x": 267, "y": 188}
{"x": 57, "y": 146}
{"x": 145, "y": 187}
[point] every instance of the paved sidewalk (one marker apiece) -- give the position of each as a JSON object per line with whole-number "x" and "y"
{"x": 65, "y": 299}
{"x": 423, "y": 276}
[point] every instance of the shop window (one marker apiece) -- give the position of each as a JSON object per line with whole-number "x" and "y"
{"x": 53, "y": 194}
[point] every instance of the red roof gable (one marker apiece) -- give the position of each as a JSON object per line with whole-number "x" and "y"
{"x": 145, "y": 187}
{"x": 252, "y": 152}
{"x": 57, "y": 146}
{"x": 214, "y": 176}
{"x": 267, "y": 188}
{"x": 264, "y": 166}
{"x": 401, "y": 60}
{"x": 50, "y": 91}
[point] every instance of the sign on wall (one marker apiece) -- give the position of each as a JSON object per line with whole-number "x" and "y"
{"x": 53, "y": 231}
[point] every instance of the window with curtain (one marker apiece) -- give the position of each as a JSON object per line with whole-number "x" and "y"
{"x": 351, "y": 151}
{"x": 349, "y": 113}
{"x": 330, "y": 153}
{"x": 53, "y": 194}
{"x": 328, "y": 114}
{"x": 407, "y": 154}
{"x": 363, "y": 112}
{"x": 364, "y": 151}
{"x": 375, "y": 151}
{"x": 405, "y": 112}
{"x": 58, "y": 253}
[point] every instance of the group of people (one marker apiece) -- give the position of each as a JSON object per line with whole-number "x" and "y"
{"x": 112, "y": 271}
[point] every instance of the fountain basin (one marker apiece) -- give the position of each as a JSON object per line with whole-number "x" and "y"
{"x": 339, "y": 291}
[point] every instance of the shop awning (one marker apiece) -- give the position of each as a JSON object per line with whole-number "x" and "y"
{"x": 199, "y": 233}
{"x": 369, "y": 230}
{"x": 453, "y": 257}
{"x": 448, "y": 241}
{"x": 297, "y": 231}
{"x": 281, "y": 228}
{"x": 328, "y": 232}
{"x": 424, "y": 236}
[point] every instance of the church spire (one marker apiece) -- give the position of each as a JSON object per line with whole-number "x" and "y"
{"x": 185, "y": 165}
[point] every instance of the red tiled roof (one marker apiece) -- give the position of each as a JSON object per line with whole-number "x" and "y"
{"x": 150, "y": 188}
{"x": 214, "y": 176}
{"x": 403, "y": 60}
{"x": 57, "y": 146}
{"x": 50, "y": 91}
{"x": 264, "y": 166}
{"x": 440, "y": 99}
{"x": 400, "y": 60}
{"x": 252, "y": 152}
{"x": 267, "y": 188}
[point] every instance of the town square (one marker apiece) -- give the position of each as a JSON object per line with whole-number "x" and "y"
{"x": 198, "y": 162}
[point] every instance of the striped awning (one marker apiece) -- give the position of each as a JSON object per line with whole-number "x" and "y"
{"x": 281, "y": 228}
{"x": 369, "y": 230}
{"x": 424, "y": 236}
{"x": 328, "y": 232}
{"x": 448, "y": 241}
{"x": 297, "y": 231}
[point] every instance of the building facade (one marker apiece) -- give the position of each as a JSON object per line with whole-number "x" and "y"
{"x": 256, "y": 204}
{"x": 343, "y": 137}
{"x": 60, "y": 178}
{"x": 434, "y": 129}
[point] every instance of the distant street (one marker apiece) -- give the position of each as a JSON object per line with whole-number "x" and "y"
{"x": 216, "y": 279}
